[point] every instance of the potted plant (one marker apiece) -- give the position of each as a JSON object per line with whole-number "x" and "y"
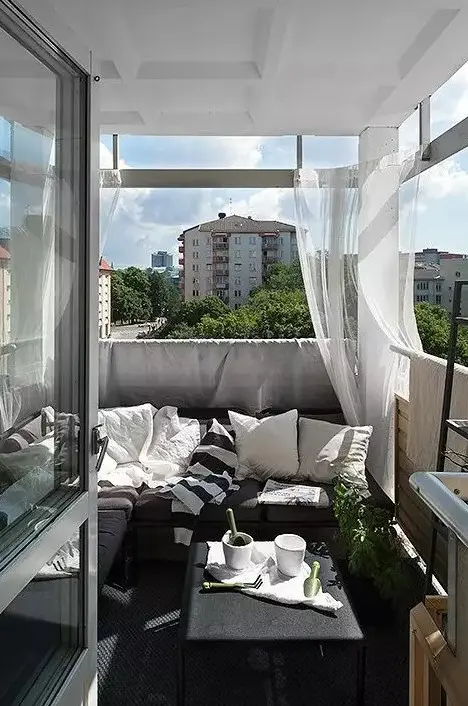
{"x": 373, "y": 550}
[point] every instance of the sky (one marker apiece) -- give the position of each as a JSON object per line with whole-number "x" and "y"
{"x": 148, "y": 220}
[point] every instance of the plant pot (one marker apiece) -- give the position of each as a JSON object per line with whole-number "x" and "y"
{"x": 371, "y": 608}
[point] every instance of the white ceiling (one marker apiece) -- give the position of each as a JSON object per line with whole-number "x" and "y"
{"x": 260, "y": 67}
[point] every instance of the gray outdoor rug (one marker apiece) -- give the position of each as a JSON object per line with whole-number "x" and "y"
{"x": 137, "y": 657}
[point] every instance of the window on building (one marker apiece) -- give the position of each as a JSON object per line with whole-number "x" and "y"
{"x": 237, "y": 253}
{"x": 237, "y": 280}
{"x": 281, "y": 254}
{"x": 237, "y": 267}
{"x": 209, "y": 266}
{"x": 237, "y": 293}
{"x": 438, "y": 287}
{"x": 252, "y": 253}
{"x": 195, "y": 254}
{"x": 195, "y": 242}
{"x": 438, "y": 299}
{"x": 457, "y": 274}
{"x": 252, "y": 281}
{"x": 237, "y": 240}
{"x": 253, "y": 240}
{"x": 281, "y": 240}
{"x": 196, "y": 280}
{"x": 195, "y": 293}
{"x": 252, "y": 267}
{"x": 195, "y": 268}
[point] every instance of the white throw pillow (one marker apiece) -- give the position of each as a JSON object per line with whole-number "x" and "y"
{"x": 330, "y": 450}
{"x": 267, "y": 448}
{"x": 174, "y": 441}
{"x": 130, "y": 430}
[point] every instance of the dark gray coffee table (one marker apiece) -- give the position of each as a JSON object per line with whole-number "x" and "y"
{"x": 225, "y": 617}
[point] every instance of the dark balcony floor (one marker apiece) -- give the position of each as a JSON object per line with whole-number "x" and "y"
{"x": 137, "y": 656}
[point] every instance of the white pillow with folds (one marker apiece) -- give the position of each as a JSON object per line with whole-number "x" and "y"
{"x": 327, "y": 451}
{"x": 130, "y": 430}
{"x": 174, "y": 441}
{"x": 266, "y": 448}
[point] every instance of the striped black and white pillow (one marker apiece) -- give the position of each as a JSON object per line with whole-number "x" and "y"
{"x": 209, "y": 477}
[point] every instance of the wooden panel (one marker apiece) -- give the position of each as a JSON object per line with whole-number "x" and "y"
{"x": 411, "y": 513}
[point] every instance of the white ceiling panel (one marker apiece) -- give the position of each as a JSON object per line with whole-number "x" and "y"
{"x": 258, "y": 67}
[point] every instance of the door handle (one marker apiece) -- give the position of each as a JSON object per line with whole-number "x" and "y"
{"x": 99, "y": 446}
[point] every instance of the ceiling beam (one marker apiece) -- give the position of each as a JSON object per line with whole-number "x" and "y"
{"x": 206, "y": 178}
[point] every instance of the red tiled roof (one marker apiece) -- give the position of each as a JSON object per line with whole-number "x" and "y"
{"x": 104, "y": 266}
{"x": 4, "y": 254}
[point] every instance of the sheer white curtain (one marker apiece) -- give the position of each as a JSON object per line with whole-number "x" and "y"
{"x": 29, "y": 338}
{"x": 356, "y": 247}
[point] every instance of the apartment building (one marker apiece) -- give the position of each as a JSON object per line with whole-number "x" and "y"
{"x": 427, "y": 284}
{"x": 105, "y": 271}
{"x": 229, "y": 257}
{"x": 435, "y": 275}
{"x": 451, "y": 271}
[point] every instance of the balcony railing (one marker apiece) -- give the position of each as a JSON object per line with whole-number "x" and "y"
{"x": 221, "y": 271}
{"x": 181, "y": 248}
{"x": 201, "y": 374}
{"x": 270, "y": 244}
{"x": 220, "y": 246}
{"x": 220, "y": 258}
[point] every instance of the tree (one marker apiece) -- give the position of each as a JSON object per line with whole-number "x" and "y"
{"x": 284, "y": 277}
{"x": 193, "y": 311}
{"x": 164, "y": 296}
{"x": 129, "y": 304}
{"x": 136, "y": 279}
{"x": 434, "y": 329}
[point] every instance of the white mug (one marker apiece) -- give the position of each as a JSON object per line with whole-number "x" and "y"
{"x": 237, "y": 558}
{"x": 290, "y": 552}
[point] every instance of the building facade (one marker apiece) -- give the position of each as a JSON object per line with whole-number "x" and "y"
{"x": 230, "y": 257}
{"x": 105, "y": 272}
{"x": 161, "y": 259}
{"x": 435, "y": 274}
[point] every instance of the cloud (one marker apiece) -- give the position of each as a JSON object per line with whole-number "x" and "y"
{"x": 443, "y": 180}
{"x": 151, "y": 219}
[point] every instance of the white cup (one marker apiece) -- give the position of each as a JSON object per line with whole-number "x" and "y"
{"x": 290, "y": 552}
{"x": 237, "y": 558}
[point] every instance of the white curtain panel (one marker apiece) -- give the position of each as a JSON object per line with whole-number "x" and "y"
{"x": 355, "y": 232}
{"x": 27, "y": 367}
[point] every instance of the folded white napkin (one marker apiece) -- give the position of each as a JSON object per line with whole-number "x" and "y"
{"x": 275, "y": 586}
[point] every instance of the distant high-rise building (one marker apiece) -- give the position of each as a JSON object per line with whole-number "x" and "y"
{"x": 231, "y": 256}
{"x": 161, "y": 259}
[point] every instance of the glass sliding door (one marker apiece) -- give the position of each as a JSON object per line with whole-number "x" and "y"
{"x": 48, "y": 404}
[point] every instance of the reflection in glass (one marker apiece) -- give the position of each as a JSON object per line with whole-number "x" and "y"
{"x": 39, "y": 306}
{"x": 40, "y": 630}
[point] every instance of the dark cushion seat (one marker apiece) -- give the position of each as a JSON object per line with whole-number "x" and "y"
{"x": 114, "y": 498}
{"x": 152, "y": 508}
{"x": 112, "y": 527}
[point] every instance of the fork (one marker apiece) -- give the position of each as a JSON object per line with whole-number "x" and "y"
{"x": 215, "y": 585}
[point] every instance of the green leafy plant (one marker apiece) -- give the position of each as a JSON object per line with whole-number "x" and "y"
{"x": 370, "y": 540}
